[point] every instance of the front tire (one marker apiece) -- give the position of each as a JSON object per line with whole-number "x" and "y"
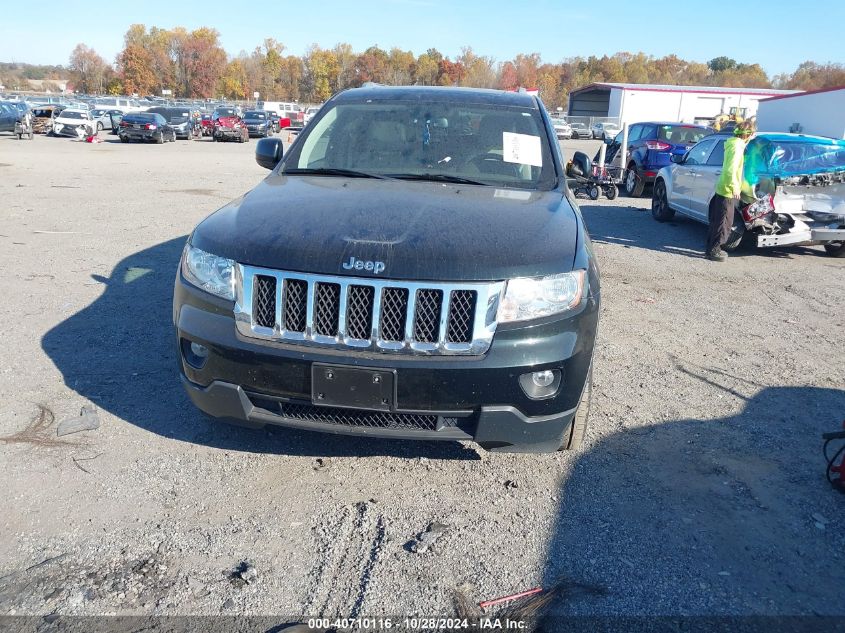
{"x": 582, "y": 415}
{"x": 634, "y": 185}
{"x": 594, "y": 192}
{"x": 660, "y": 209}
{"x": 835, "y": 249}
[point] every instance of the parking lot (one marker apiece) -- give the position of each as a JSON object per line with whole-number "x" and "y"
{"x": 700, "y": 489}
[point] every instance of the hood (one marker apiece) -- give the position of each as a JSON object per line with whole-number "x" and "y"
{"x": 418, "y": 230}
{"x": 228, "y": 121}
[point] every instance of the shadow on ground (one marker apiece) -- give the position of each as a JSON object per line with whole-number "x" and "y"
{"x": 120, "y": 354}
{"x": 708, "y": 517}
{"x": 633, "y": 227}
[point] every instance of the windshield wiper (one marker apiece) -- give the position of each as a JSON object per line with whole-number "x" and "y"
{"x": 331, "y": 171}
{"x": 438, "y": 178}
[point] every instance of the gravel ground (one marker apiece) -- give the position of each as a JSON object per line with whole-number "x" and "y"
{"x": 700, "y": 489}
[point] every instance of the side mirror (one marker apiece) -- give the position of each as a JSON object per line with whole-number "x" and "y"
{"x": 608, "y": 140}
{"x": 677, "y": 158}
{"x": 268, "y": 152}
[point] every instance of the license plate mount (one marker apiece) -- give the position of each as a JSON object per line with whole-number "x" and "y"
{"x": 353, "y": 387}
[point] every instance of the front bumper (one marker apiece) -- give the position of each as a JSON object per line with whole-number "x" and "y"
{"x": 227, "y": 133}
{"x": 257, "y": 130}
{"x": 477, "y": 398}
{"x": 139, "y": 135}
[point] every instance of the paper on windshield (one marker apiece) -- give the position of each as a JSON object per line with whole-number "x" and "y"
{"x": 524, "y": 149}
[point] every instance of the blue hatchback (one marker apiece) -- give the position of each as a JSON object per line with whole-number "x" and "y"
{"x": 650, "y": 145}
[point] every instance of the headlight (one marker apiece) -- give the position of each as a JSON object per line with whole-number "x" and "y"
{"x": 211, "y": 273}
{"x": 534, "y": 298}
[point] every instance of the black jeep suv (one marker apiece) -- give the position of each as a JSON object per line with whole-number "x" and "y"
{"x": 414, "y": 266}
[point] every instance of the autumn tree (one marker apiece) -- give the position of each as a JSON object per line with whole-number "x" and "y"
{"x": 87, "y": 69}
{"x": 427, "y": 68}
{"x": 479, "y": 72}
{"x": 290, "y": 80}
{"x": 203, "y": 61}
{"x": 136, "y": 73}
{"x": 401, "y": 66}
{"x": 232, "y": 84}
{"x": 371, "y": 65}
{"x": 451, "y": 73}
{"x": 321, "y": 70}
{"x": 346, "y": 73}
{"x": 812, "y": 76}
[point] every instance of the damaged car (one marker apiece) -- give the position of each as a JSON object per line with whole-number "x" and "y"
{"x": 793, "y": 190}
{"x": 228, "y": 126}
{"x": 74, "y": 122}
{"x": 43, "y": 118}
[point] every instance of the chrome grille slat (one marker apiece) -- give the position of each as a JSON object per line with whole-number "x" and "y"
{"x": 389, "y": 316}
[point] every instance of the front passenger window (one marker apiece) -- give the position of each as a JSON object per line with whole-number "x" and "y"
{"x": 717, "y": 157}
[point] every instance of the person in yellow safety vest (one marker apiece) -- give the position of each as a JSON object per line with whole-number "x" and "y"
{"x": 728, "y": 190}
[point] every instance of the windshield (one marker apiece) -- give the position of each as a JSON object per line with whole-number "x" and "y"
{"x": 178, "y": 116}
{"x": 485, "y": 144}
{"x": 680, "y": 135}
{"x": 223, "y": 112}
{"x": 72, "y": 115}
{"x": 254, "y": 115}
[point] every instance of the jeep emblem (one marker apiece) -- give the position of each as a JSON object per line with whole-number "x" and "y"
{"x": 360, "y": 264}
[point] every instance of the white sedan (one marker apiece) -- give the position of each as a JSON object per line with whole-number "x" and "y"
{"x": 74, "y": 122}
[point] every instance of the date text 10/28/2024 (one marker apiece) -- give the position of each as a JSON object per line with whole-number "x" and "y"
{"x": 417, "y": 624}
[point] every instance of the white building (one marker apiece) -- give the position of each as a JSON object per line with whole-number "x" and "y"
{"x": 819, "y": 112}
{"x": 630, "y": 103}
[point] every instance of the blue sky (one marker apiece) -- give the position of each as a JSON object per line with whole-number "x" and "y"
{"x": 776, "y": 34}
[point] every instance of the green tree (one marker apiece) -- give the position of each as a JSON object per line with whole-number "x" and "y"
{"x": 721, "y": 64}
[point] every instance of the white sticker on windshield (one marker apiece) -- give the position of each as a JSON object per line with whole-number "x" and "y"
{"x": 522, "y": 148}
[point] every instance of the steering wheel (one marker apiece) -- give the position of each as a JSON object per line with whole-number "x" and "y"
{"x": 492, "y": 163}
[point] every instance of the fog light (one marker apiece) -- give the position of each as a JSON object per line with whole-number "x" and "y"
{"x": 539, "y": 385}
{"x": 543, "y": 378}
{"x": 195, "y": 355}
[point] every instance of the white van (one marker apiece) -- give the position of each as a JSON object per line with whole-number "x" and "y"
{"x": 118, "y": 103}
{"x": 284, "y": 109}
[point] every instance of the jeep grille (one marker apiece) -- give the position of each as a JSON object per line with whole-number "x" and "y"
{"x": 355, "y": 313}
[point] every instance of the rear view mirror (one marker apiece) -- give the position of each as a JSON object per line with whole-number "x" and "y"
{"x": 268, "y": 152}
